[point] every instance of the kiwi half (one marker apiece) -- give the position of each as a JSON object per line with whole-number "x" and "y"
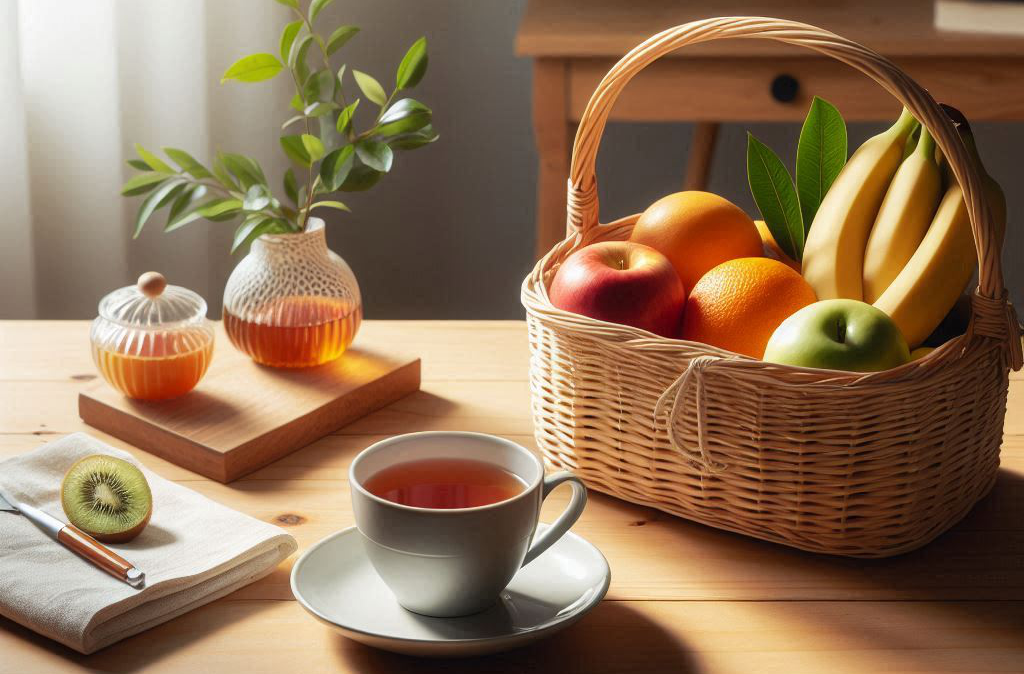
{"x": 107, "y": 498}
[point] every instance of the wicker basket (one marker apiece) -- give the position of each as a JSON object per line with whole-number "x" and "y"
{"x": 836, "y": 462}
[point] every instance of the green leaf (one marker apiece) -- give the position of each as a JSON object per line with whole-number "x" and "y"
{"x": 820, "y": 156}
{"x": 253, "y": 68}
{"x": 296, "y": 150}
{"x": 157, "y": 198}
{"x": 190, "y": 195}
{"x": 294, "y": 4}
{"x": 222, "y": 174}
{"x": 138, "y": 164}
{"x": 331, "y": 204}
{"x": 773, "y": 192}
{"x": 291, "y": 187}
{"x": 188, "y": 163}
{"x": 141, "y": 183}
{"x": 413, "y": 65}
{"x": 335, "y": 167}
{"x": 182, "y": 214}
{"x": 361, "y": 178}
{"x": 297, "y": 59}
{"x": 316, "y": 7}
{"x": 411, "y": 141}
{"x": 340, "y": 37}
{"x": 297, "y": 102}
{"x": 405, "y": 116}
{"x": 154, "y": 161}
{"x": 319, "y": 87}
{"x": 370, "y": 87}
{"x": 245, "y": 169}
{"x": 288, "y": 36}
{"x": 314, "y": 147}
{"x": 345, "y": 116}
{"x": 250, "y": 230}
{"x": 222, "y": 208}
{"x": 257, "y": 198}
{"x": 375, "y": 154}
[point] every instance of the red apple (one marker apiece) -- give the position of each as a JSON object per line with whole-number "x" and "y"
{"x": 621, "y": 282}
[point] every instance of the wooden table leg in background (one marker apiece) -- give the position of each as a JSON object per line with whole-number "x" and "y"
{"x": 698, "y": 168}
{"x": 553, "y": 136}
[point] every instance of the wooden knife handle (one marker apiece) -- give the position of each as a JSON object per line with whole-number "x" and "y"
{"x": 92, "y": 550}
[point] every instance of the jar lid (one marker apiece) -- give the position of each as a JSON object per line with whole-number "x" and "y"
{"x": 152, "y": 303}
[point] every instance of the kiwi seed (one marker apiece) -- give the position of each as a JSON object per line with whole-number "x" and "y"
{"x": 107, "y": 498}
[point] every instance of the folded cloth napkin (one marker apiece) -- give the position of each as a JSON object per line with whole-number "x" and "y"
{"x": 192, "y": 552}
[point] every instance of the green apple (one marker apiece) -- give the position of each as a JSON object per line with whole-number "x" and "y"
{"x": 838, "y": 335}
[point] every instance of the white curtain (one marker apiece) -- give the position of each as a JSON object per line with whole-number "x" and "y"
{"x": 80, "y": 83}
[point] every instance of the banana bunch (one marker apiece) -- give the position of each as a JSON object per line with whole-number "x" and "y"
{"x": 833, "y": 260}
{"x": 887, "y": 234}
{"x": 942, "y": 265}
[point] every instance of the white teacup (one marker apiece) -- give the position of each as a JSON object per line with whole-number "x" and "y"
{"x": 452, "y": 562}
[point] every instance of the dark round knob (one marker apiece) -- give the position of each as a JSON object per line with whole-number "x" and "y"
{"x": 785, "y": 88}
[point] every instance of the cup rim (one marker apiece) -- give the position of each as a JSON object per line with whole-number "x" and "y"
{"x": 355, "y": 484}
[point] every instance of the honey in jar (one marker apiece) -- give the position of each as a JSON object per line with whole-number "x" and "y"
{"x": 152, "y": 341}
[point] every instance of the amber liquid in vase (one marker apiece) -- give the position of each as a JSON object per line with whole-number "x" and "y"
{"x": 296, "y": 331}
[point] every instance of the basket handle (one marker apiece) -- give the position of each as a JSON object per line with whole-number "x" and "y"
{"x": 582, "y": 197}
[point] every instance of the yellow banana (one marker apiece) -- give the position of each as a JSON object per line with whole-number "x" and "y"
{"x": 833, "y": 259}
{"x": 941, "y": 267}
{"x": 903, "y": 218}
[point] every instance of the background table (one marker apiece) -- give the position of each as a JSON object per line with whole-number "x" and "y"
{"x": 684, "y": 598}
{"x": 574, "y": 43}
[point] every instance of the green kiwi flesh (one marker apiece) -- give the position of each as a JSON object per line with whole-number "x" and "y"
{"x": 107, "y": 498}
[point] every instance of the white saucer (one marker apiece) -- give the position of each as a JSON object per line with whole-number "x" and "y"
{"x": 336, "y": 583}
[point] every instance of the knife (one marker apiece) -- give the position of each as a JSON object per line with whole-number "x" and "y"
{"x": 77, "y": 541}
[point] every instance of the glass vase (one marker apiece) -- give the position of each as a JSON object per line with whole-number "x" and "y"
{"x": 292, "y": 302}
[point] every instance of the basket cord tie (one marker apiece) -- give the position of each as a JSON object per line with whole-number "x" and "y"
{"x": 996, "y": 317}
{"x": 694, "y": 373}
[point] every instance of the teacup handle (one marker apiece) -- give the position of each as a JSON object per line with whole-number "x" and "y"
{"x": 568, "y": 517}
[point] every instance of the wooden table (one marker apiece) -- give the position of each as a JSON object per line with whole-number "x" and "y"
{"x": 574, "y": 43}
{"x": 684, "y": 597}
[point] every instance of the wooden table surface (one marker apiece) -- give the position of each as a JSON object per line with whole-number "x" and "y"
{"x": 684, "y": 597}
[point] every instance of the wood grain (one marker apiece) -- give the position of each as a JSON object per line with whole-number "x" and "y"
{"x": 684, "y": 597}
{"x": 739, "y": 89}
{"x": 243, "y": 416}
{"x": 566, "y": 28}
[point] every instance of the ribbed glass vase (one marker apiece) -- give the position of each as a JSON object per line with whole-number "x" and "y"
{"x": 292, "y": 302}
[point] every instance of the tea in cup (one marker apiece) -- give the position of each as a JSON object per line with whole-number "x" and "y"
{"x": 448, "y": 518}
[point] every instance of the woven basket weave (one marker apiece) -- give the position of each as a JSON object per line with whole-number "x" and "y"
{"x": 836, "y": 462}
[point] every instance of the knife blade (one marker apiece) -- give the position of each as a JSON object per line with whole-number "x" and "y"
{"x": 77, "y": 541}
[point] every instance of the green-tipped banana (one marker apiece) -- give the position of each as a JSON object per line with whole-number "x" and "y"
{"x": 903, "y": 218}
{"x": 833, "y": 260}
{"x": 933, "y": 279}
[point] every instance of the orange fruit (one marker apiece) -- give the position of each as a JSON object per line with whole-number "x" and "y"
{"x": 772, "y": 249}
{"x": 697, "y": 231}
{"x": 737, "y": 305}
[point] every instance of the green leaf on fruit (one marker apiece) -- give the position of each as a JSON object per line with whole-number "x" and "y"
{"x": 820, "y": 156}
{"x": 253, "y": 68}
{"x": 773, "y": 192}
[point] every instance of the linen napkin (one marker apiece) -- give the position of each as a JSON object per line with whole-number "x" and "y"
{"x": 192, "y": 552}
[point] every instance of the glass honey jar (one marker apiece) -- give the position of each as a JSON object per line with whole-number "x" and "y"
{"x": 152, "y": 341}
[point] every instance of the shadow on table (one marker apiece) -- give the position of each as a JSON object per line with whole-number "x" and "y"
{"x": 614, "y": 637}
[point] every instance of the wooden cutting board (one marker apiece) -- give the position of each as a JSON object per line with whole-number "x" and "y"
{"x": 243, "y": 416}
